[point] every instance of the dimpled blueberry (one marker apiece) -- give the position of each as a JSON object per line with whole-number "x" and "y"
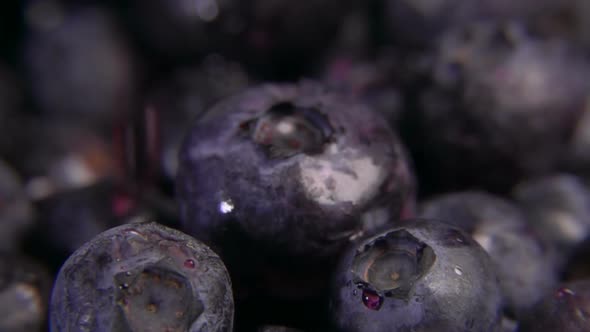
{"x": 522, "y": 263}
{"x": 142, "y": 277}
{"x": 294, "y": 166}
{"x": 290, "y": 171}
{"x": 567, "y": 308}
{"x": 415, "y": 277}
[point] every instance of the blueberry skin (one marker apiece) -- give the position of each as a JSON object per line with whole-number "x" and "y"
{"x": 502, "y": 98}
{"x": 559, "y": 206}
{"x": 145, "y": 277}
{"x": 346, "y": 174}
{"x": 566, "y": 308}
{"x": 525, "y": 266}
{"x": 85, "y": 48}
{"x": 454, "y": 287}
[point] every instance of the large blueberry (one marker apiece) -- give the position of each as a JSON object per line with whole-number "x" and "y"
{"x": 422, "y": 275}
{"x": 290, "y": 171}
{"x": 142, "y": 277}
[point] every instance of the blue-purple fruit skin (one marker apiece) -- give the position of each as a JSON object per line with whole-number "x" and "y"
{"x": 566, "y": 308}
{"x": 87, "y": 50}
{"x": 352, "y": 180}
{"x": 502, "y": 98}
{"x": 459, "y": 291}
{"x": 523, "y": 263}
{"x": 559, "y": 207}
{"x": 142, "y": 276}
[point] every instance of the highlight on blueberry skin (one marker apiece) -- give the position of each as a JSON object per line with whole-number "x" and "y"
{"x": 142, "y": 277}
{"x": 421, "y": 275}
{"x": 295, "y": 167}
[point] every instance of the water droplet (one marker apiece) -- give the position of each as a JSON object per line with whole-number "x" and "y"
{"x": 355, "y": 292}
{"x": 458, "y": 270}
{"x": 189, "y": 264}
{"x": 128, "y": 273}
{"x": 372, "y": 300}
{"x": 123, "y": 286}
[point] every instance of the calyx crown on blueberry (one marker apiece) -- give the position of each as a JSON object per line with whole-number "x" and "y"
{"x": 285, "y": 130}
{"x": 390, "y": 264}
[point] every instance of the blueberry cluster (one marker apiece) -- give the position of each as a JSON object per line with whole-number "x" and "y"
{"x": 284, "y": 166}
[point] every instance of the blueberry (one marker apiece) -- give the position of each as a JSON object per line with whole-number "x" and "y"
{"x": 24, "y": 294}
{"x": 502, "y": 98}
{"x": 522, "y": 262}
{"x": 142, "y": 277}
{"x": 420, "y": 275}
{"x": 16, "y": 211}
{"x": 559, "y": 208}
{"x": 566, "y": 308}
{"x": 85, "y": 48}
{"x": 290, "y": 171}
